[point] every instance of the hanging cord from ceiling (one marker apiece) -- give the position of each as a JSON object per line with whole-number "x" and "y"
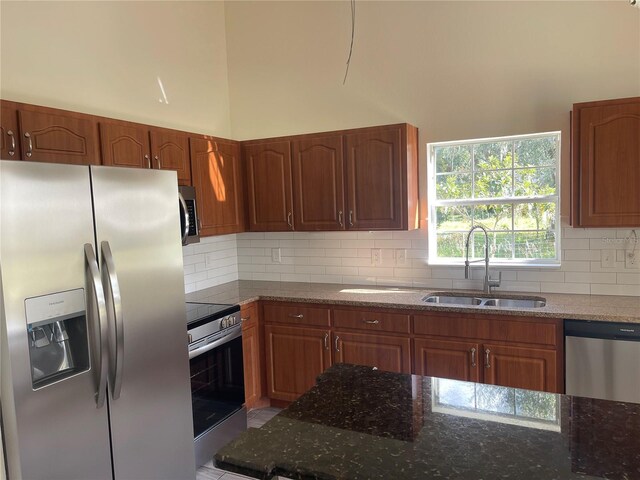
{"x": 353, "y": 31}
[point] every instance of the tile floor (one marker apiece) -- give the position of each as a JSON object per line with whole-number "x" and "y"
{"x": 255, "y": 419}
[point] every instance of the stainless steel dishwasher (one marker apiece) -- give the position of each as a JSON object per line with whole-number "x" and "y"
{"x": 602, "y": 360}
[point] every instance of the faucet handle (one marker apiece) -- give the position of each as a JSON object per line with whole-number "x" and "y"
{"x": 495, "y": 283}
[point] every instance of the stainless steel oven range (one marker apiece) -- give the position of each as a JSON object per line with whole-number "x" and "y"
{"x": 217, "y": 378}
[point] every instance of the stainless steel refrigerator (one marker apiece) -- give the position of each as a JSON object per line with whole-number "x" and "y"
{"x": 94, "y": 361}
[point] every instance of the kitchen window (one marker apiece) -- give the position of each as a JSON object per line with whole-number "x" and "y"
{"x": 509, "y": 185}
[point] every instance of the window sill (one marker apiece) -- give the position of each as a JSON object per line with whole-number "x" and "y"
{"x": 495, "y": 264}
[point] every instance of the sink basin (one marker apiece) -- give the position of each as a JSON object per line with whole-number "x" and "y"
{"x": 443, "y": 299}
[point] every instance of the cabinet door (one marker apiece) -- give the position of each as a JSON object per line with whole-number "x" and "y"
{"x": 170, "y": 151}
{"x": 376, "y": 179}
{"x": 125, "y": 145}
{"x": 456, "y": 360}
{"x": 217, "y": 178}
{"x": 391, "y": 354}
{"x": 521, "y": 367}
{"x": 606, "y": 149}
{"x": 269, "y": 186}
{"x": 318, "y": 183}
{"x": 49, "y": 136}
{"x": 9, "y": 135}
{"x": 251, "y": 355}
{"x": 295, "y": 357}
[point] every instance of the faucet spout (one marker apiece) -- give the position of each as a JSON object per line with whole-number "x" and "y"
{"x": 488, "y": 282}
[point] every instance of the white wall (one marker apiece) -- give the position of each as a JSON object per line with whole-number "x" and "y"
{"x": 105, "y": 57}
{"x": 211, "y": 262}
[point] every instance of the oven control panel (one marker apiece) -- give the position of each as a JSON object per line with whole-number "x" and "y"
{"x": 230, "y": 321}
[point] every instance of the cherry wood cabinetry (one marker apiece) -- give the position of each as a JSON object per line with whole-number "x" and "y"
{"x": 125, "y": 145}
{"x": 9, "y": 134}
{"x": 251, "y": 355}
{"x": 170, "y": 151}
{"x": 385, "y": 352}
{"x": 217, "y": 177}
{"x": 521, "y": 367}
{"x": 448, "y": 359}
{"x": 318, "y": 183}
{"x": 605, "y": 142}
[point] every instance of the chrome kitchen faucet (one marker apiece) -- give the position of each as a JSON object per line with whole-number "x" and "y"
{"x": 488, "y": 282}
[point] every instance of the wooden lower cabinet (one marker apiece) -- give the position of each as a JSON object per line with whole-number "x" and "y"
{"x": 520, "y": 367}
{"x": 295, "y": 356}
{"x": 448, "y": 359}
{"x": 391, "y": 354}
{"x": 251, "y": 347}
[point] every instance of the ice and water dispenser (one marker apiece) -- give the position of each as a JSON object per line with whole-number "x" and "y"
{"x": 57, "y": 336}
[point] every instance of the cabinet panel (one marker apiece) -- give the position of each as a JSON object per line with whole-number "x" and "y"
{"x": 318, "y": 183}
{"x": 369, "y": 320}
{"x": 456, "y": 360}
{"x": 295, "y": 357}
{"x": 298, "y": 314}
{"x": 217, "y": 178}
{"x": 170, "y": 151}
{"x": 391, "y": 354}
{"x": 376, "y": 179}
{"x": 9, "y": 134}
{"x": 48, "y": 136}
{"x": 520, "y": 367}
{"x": 251, "y": 355}
{"x": 125, "y": 145}
{"x": 269, "y": 191}
{"x": 606, "y": 149}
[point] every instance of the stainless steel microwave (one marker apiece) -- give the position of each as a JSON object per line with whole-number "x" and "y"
{"x": 189, "y": 222}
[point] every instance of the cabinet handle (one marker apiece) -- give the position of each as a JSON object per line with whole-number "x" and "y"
{"x": 27, "y": 135}
{"x": 300, "y": 315}
{"x": 12, "y": 148}
{"x": 337, "y": 347}
{"x": 340, "y": 219}
{"x": 289, "y": 221}
{"x": 245, "y": 319}
{"x": 351, "y": 218}
{"x": 487, "y": 363}
{"x": 326, "y": 341}
{"x": 473, "y": 357}
{"x": 148, "y": 159}
{"x": 371, "y": 322}
{"x": 157, "y": 159}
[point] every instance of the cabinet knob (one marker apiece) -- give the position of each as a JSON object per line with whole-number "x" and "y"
{"x": 293, "y": 315}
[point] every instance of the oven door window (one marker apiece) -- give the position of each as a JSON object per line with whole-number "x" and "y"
{"x": 217, "y": 385}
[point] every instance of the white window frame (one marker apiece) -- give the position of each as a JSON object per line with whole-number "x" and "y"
{"x": 433, "y": 259}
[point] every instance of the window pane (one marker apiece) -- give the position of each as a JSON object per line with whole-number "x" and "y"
{"x": 454, "y": 218}
{"x": 491, "y": 156}
{"x": 535, "y": 181}
{"x": 495, "y": 399}
{"x": 456, "y": 394}
{"x": 500, "y": 245}
{"x": 455, "y": 158}
{"x": 535, "y": 216}
{"x": 453, "y": 186}
{"x": 450, "y": 244}
{"x": 535, "y": 152}
{"x": 493, "y": 217}
{"x": 493, "y": 184}
{"x": 535, "y": 244}
{"x": 536, "y": 405}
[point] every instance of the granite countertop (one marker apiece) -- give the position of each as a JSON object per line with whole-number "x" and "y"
{"x": 608, "y": 308}
{"x": 360, "y": 423}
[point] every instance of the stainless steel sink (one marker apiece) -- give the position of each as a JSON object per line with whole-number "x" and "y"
{"x": 443, "y": 299}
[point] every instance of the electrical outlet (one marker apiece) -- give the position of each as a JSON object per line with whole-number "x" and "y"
{"x": 632, "y": 260}
{"x": 275, "y": 255}
{"x": 401, "y": 256}
{"x": 608, "y": 258}
{"x": 376, "y": 256}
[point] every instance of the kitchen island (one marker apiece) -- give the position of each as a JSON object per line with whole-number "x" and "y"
{"x": 362, "y": 423}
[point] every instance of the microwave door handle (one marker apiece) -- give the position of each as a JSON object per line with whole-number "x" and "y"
{"x": 98, "y": 322}
{"x": 185, "y": 215}
{"x": 234, "y": 333}
{"x": 114, "y": 314}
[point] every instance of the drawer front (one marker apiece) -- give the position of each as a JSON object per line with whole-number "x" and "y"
{"x": 367, "y": 320}
{"x": 295, "y": 313}
{"x": 524, "y": 330}
{"x": 249, "y": 315}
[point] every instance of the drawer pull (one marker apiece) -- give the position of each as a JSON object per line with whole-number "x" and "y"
{"x": 27, "y": 135}
{"x": 473, "y": 357}
{"x": 293, "y": 315}
{"x": 245, "y": 319}
{"x": 12, "y": 148}
{"x": 337, "y": 347}
{"x": 326, "y": 341}
{"x": 487, "y": 362}
{"x": 371, "y": 322}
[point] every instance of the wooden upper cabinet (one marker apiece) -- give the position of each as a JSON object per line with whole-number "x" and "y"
{"x": 9, "y": 134}
{"x": 318, "y": 183}
{"x": 125, "y": 145}
{"x": 217, "y": 178}
{"x": 49, "y": 135}
{"x": 269, "y": 191}
{"x": 381, "y": 178}
{"x": 170, "y": 151}
{"x": 606, "y": 163}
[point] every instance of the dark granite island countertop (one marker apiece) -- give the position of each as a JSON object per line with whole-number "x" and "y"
{"x": 360, "y": 423}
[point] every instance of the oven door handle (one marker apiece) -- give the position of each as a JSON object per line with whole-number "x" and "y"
{"x": 234, "y": 333}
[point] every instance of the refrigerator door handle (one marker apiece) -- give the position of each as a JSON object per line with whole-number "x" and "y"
{"x": 186, "y": 215}
{"x": 114, "y": 314}
{"x": 92, "y": 277}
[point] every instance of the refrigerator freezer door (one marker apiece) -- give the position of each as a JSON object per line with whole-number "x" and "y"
{"x": 57, "y": 431}
{"x": 137, "y": 221}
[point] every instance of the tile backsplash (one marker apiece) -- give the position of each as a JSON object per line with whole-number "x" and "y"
{"x": 346, "y": 257}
